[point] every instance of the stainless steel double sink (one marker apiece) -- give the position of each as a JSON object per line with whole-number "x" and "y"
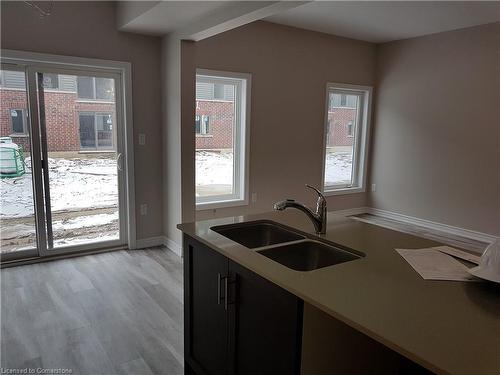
{"x": 287, "y": 246}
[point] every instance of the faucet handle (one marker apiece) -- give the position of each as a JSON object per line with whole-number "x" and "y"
{"x": 320, "y": 195}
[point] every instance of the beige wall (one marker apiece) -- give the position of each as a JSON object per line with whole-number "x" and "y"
{"x": 436, "y": 145}
{"x": 290, "y": 68}
{"x": 88, "y": 29}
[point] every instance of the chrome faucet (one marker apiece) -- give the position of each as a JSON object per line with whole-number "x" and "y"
{"x": 318, "y": 218}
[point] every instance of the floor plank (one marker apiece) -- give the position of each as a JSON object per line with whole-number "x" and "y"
{"x": 111, "y": 313}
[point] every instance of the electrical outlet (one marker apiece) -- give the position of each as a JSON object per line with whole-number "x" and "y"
{"x": 144, "y": 209}
{"x": 142, "y": 139}
{"x": 374, "y": 187}
{"x": 254, "y": 197}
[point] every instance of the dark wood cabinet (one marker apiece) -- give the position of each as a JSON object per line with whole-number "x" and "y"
{"x": 236, "y": 322}
{"x": 265, "y": 324}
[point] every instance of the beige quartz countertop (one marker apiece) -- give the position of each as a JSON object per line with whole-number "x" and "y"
{"x": 448, "y": 327}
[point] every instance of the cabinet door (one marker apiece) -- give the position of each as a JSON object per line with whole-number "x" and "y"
{"x": 205, "y": 316}
{"x": 265, "y": 326}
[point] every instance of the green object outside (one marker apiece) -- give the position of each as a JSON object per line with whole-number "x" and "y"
{"x": 11, "y": 162}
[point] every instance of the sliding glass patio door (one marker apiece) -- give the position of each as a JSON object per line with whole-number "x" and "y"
{"x": 18, "y": 229}
{"x": 76, "y": 159}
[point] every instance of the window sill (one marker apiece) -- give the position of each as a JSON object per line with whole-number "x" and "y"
{"x": 19, "y": 135}
{"x": 344, "y": 191}
{"x": 100, "y": 101}
{"x": 221, "y": 204}
{"x": 204, "y": 136}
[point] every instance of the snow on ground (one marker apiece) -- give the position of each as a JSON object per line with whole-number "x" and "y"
{"x": 338, "y": 168}
{"x": 214, "y": 173}
{"x": 214, "y": 169}
{"x": 84, "y": 201}
{"x": 75, "y": 184}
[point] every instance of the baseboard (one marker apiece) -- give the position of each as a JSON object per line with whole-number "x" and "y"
{"x": 352, "y": 211}
{"x": 445, "y": 228}
{"x": 159, "y": 241}
{"x": 172, "y": 246}
{"x": 143, "y": 243}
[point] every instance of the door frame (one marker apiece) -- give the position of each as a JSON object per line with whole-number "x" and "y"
{"x": 119, "y": 70}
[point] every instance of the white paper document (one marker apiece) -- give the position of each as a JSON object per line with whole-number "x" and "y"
{"x": 432, "y": 264}
{"x": 459, "y": 254}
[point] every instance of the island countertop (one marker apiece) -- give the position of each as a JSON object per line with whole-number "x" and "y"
{"x": 448, "y": 327}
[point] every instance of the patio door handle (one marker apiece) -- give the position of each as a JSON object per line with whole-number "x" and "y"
{"x": 119, "y": 162}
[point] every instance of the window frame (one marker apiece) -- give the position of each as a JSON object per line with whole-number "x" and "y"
{"x": 25, "y": 123}
{"x": 361, "y": 138}
{"x": 241, "y": 139}
{"x": 97, "y": 147}
{"x": 94, "y": 92}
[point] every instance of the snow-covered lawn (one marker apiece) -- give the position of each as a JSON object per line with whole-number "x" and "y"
{"x": 74, "y": 184}
{"x": 84, "y": 202}
{"x": 214, "y": 171}
{"x": 338, "y": 168}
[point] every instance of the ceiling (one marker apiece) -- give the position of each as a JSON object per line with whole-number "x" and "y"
{"x": 163, "y": 17}
{"x": 384, "y": 21}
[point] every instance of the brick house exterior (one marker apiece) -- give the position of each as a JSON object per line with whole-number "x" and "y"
{"x": 62, "y": 117}
{"x": 220, "y": 116}
{"x": 341, "y": 122}
{"x": 63, "y": 110}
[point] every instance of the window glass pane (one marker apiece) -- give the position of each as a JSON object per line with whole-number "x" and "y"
{"x": 105, "y": 88}
{"x": 50, "y": 81}
{"x": 87, "y": 130}
{"x": 18, "y": 121}
{"x": 85, "y": 87}
{"x": 215, "y": 155}
{"x": 104, "y": 130}
{"x": 340, "y": 139}
{"x": 219, "y": 91}
{"x": 197, "y": 124}
{"x": 17, "y": 209}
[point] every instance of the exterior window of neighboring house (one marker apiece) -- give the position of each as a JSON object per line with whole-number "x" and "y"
{"x": 96, "y": 88}
{"x": 96, "y": 130}
{"x": 50, "y": 81}
{"x": 202, "y": 124}
{"x": 346, "y": 152}
{"x": 219, "y": 91}
{"x": 350, "y": 129}
{"x": 221, "y": 160}
{"x": 19, "y": 123}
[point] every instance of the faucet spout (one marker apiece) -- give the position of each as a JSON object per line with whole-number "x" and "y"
{"x": 318, "y": 218}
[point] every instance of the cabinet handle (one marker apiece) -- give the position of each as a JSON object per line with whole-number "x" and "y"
{"x": 226, "y": 293}
{"x": 219, "y": 297}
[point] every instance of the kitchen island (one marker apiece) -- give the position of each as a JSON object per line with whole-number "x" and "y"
{"x": 445, "y": 327}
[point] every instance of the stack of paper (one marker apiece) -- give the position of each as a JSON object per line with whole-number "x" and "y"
{"x": 433, "y": 264}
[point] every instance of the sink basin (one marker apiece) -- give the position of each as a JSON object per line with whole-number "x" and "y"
{"x": 257, "y": 234}
{"x": 308, "y": 255}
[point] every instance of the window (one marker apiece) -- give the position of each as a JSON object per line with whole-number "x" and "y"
{"x": 346, "y": 138}
{"x": 18, "y": 120}
{"x": 202, "y": 125}
{"x": 350, "y": 129}
{"x": 96, "y": 131}
{"x": 50, "y": 81}
{"x": 96, "y": 88}
{"x": 221, "y": 159}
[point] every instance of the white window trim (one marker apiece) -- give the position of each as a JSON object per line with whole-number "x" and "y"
{"x": 243, "y": 132}
{"x": 362, "y": 145}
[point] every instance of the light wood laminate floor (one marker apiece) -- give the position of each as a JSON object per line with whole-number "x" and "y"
{"x": 111, "y": 313}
